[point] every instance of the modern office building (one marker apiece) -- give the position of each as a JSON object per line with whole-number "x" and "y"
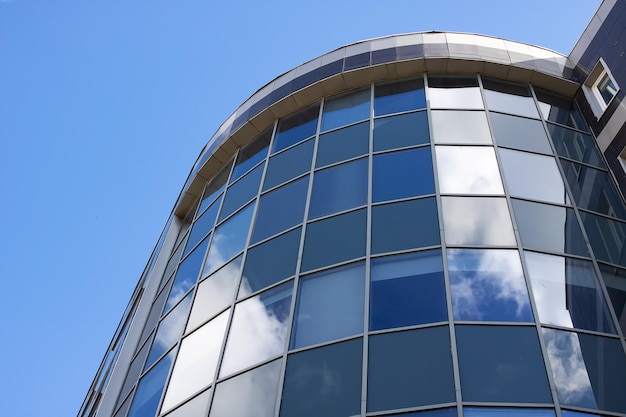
{"x": 416, "y": 225}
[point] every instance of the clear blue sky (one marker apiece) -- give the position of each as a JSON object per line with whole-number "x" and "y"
{"x": 104, "y": 106}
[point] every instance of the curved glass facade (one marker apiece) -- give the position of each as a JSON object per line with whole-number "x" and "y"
{"x": 439, "y": 246}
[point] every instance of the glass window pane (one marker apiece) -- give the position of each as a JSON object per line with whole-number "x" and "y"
{"x": 251, "y": 154}
{"x": 229, "y": 239}
{"x": 549, "y": 228}
{"x": 270, "y": 262}
{"x": 488, "y": 285}
{"x": 519, "y": 133}
{"x": 560, "y": 109}
{"x": 477, "y": 221}
{"x": 468, "y": 170}
{"x": 407, "y": 290}
{"x": 296, "y": 127}
{"x": 593, "y": 189}
{"x": 334, "y": 240}
{"x": 258, "y": 330}
{"x": 575, "y": 145}
{"x": 410, "y": 369}
{"x": 615, "y": 281}
{"x": 405, "y": 225}
{"x": 607, "y": 238}
{"x": 532, "y": 176}
{"x": 196, "y": 361}
{"x": 241, "y": 192}
{"x": 441, "y": 412}
{"x": 456, "y": 92}
{"x": 567, "y": 293}
{"x": 196, "y": 407}
{"x": 134, "y": 370}
{"x": 509, "y": 98}
{"x": 342, "y": 144}
{"x": 215, "y": 293}
{"x": 252, "y": 394}
{"x": 339, "y": 188}
{"x": 346, "y": 109}
{"x": 460, "y": 127}
{"x": 399, "y": 97}
{"x": 501, "y": 364}
{"x": 324, "y": 381}
{"x": 202, "y": 226}
{"x": 400, "y": 131}
{"x": 329, "y": 306}
{"x": 507, "y": 412}
{"x": 403, "y": 174}
{"x": 150, "y": 388}
{"x": 214, "y": 187}
{"x": 280, "y": 209}
{"x": 289, "y": 164}
{"x": 187, "y": 274}
{"x": 589, "y": 371}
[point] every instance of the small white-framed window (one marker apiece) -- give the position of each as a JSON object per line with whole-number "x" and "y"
{"x": 600, "y": 88}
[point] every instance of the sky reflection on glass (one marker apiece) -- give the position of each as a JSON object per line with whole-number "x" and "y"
{"x": 460, "y": 127}
{"x": 187, "y": 274}
{"x": 455, "y": 98}
{"x": 468, "y": 170}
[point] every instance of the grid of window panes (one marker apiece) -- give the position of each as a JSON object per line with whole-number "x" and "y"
{"x": 410, "y": 248}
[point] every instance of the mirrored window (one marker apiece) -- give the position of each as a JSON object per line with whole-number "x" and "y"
{"x": 134, "y": 370}
{"x": 229, "y": 239}
{"x": 196, "y": 407}
{"x": 329, "y": 306}
{"x": 334, "y": 240}
{"x": 468, "y": 170}
{"x": 346, "y": 109}
{"x": 410, "y": 369}
{"x": 560, "y": 109}
{"x": 150, "y": 388}
{"x": 405, "y": 225}
{"x": 251, "y": 394}
{"x": 407, "y": 290}
{"x": 296, "y": 127}
{"x": 549, "y": 228}
{"x": 461, "y": 127}
{"x": 510, "y": 98}
{"x": 589, "y": 371}
{"x": 615, "y": 281}
{"x": 324, "y": 382}
{"x": 196, "y": 362}
{"x": 214, "y": 187}
{"x": 455, "y": 92}
{"x": 567, "y": 292}
{"x": 258, "y": 330}
{"x": 399, "y": 97}
{"x": 507, "y": 412}
{"x": 575, "y": 145}
{"x": 202, "y": 226}
{"x": 215, "y": 293}
{"x": 488, "y": 285}
{"x": 241, "y": 192}
{"x": 477, "y": 221}
{"x": 501, "y": 364}
{"x": 519, "y": 133}
{"x": 289, "y": 164}
{"x": 251, "y": 154}
{"x": 532, "y": 176}
{"x": 402, "y": 174}
{"x": 400, "y": 131}
{"x": 339, "y": 188}
{"x": 607, "y": 238}
{"x": 187, "y": 274}
{"x": 280, "y": 209}
{"x": 342, "y": 144}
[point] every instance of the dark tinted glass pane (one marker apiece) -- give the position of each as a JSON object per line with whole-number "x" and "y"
{"x": 339, "y": 188}
{"x": 407, "y": 290}
{"x": 560, "y": 109}
{"x": 214, "y": 187}
{"x": 519, "y": 133}
{"x": 187, "y": 274}
{"x": 488, "y": 285}
{"x": 507, "y": 412}
{"x": 567, "y": 293}
{"x": 241, "y": 192}
{"x": 589, "y": 371}
{"x": 150, "y": 389}
{"x": 501, "y": 364}
{"x": 405, "y": 225}
{"x": 289, "y": 164}
{"x": 410, "y": 369}
{"x": 442, "y": 412}
{"x": 607, "y": 238}
{"x": 251, "y": 154}
{"x": 454, "y": 81}
{"x": 346, "y": 109}
{"x": 593, "y": 189}
{"x": 615, "y": 281}
{"x": 296, "y": 127}
{"x": 270, "y": 262}
{"x": 343, "y": 144}
{"x": 399, "y": 97}
{"x": 329, "y": 306}
{"x": 202, "y": 226}
{"x": 575, "y": 145}
{"x": 549, "y": 228}
{"x": 403, "y": 174}
{"x": 400, "y": 131}
{"x": 308, "y": 392}
{"x": 280, "y": 209}
{"x": 334, "y": 240}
